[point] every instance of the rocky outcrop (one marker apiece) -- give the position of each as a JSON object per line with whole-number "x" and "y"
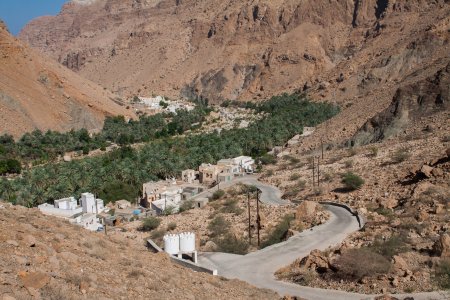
{"x": 442, "y": 246}
{"x": 409, "y": 104}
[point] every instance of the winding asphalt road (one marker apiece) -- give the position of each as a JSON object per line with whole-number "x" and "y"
{"x": 258, "y": 268}
{"x": 269, "y": 194}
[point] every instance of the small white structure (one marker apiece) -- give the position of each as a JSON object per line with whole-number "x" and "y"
{"x": 64, "y": 208}
{"x": 90, "y": 204}
{"x": 179, "y": 244}
{"x": 172, "y": 244}
{"x": 66, "y": 203}
{"x": 187, "y": 242}
{"x": 87, "y": 221}
{"x": 245, "y": 162}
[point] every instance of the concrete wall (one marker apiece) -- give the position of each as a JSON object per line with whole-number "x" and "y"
{"x": 65, "y": 213}
{"x": 359, "y": 217}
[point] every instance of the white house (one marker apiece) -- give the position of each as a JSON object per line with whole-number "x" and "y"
{"x": 91, "y": 205}
{"x": 64, "y": 208}
{"x": 173, "y": 194}
{"x": 87, "y": 221}
{"x": 245, "y": 162}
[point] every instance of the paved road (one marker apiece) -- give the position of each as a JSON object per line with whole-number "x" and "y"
{"x": 258, "y": 267}
{"x": 269, "y": 194}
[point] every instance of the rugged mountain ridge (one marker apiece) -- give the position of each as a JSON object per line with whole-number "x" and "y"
{"x": 38, "y": 93}
{"x": 232, "y": 49}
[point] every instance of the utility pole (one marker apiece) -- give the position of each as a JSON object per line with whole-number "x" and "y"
{"x": 165, "y": 202}
{"x": 249, "y": 220}
{"x": 314, "y": 170}
{"x": 218, "y": 182}
{"x": 321, "y": 145}
{"x": 258, "y": 219}
{"x": 318, "y": 171}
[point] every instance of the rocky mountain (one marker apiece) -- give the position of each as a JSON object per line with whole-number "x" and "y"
{"x": 38, "y": 93}
{"x": 340, "y": 50}
{"x": 48, "y": 258}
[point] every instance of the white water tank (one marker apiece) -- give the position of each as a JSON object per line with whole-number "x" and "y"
{"x": 171, "y": 244}
{"x": 187, "y": 242}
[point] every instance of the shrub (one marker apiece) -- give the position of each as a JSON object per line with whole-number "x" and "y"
{"x": 150, "y": 223}
{"x": 279, "y": 233}
{"x": 442, "y": 274}
{"x": 157, "y": 235}
{"x": 171, "y": 226}
{"x": 352, "y": 181}
{"x": 400, "y": 155}
{"x": 218, "y": 194}
{"x": 348, "y": 164}
{"x": 352, "y": 152}
{"x": 187, "y": 205}
{"x": 169, "y": 210}
{"x": 373, "y": 152}
{"x": 231, "y": 244}
{"x": 267, "y": 159}
{"x": 355, "y": 264}
{"x": 291, "y": 159}
{"x": 230, "y": 207}
{"x": 269, "y": 173}
{"x": 218, "y": 226}
{"x": 294, "y": 176}
{"x": 327, "y": 176}
{"x": 394, "y": 245}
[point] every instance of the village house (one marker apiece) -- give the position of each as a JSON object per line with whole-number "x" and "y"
{"x": 84, "y": 215}
{"x": 65, "y": 208}
{"x": 153, "y": 189}
{"x": 91, "y": 205}
{"x": 122, "y": 204}
{"x": 190, "y": 176}
{"x": 88, "y": 221}
{"x": 209, "y": 173}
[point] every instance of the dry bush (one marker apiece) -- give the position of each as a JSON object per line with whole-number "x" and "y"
{"x": 348, "y": 164}
{"x": 50, "y": 292}
{"x": 171, "y": 226}
{"x": 356, "y": 264}
{"x": 373, "y": 152}
{"x": 230, "y": 207}
{"x": 400, "y": 155}
{"x": 294, "y": 176}
{"x": 74, "y": 279}
{"x": 136, "y": 273}
{"x": 99, "y": 253}
{"x": 442, "y": 274}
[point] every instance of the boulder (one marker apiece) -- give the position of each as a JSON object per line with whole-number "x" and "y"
{"x": 210, "y": 246}
{"x": 442, "y": 246}
{"x": 315, "y": 261}
{"x": 389, "y": 202}
{"x": 306, "y": 210}
{"x": 400, "y": 267}
{"x": 29, "y": 240}
{"x": 426, "y": 170}
{"x": 35, "y": 280}
{"x": 67, "y": 158}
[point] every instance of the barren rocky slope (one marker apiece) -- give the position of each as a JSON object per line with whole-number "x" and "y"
{"x": 38, "y": 93}
{"x": 339, "y": 50}
{"x": 403, "y": 155}
{"x": 47, "y": 258}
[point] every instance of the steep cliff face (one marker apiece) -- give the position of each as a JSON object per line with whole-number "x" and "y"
{"x": 410, "y": 103}
{"x": 38, "y": 93}
{"x": 236, "y": 49}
